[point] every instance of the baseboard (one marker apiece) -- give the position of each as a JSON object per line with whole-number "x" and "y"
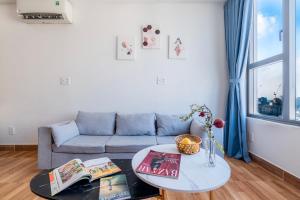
{"x": 18, "y": 148}
{"x": 7, "y": 147}
{"x": 287, "y": 177}
{"x": 25, "y": 147}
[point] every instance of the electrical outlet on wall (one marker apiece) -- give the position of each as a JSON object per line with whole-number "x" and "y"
{"x": 65, "y": 81}
{"x": 11, "y": 130}
{"x": 160, "y": 81}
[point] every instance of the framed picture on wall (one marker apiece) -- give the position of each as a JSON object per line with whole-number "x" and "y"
{"x": 126, "y": 48}
{"x": 151, "y": 37}
{"x": 177, "y": 49}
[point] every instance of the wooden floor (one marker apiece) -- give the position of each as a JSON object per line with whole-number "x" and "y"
{"x": 248, "y": 181}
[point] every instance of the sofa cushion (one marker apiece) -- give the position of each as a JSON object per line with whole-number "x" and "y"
{"x": 171, "y": 125}
{"x": 83, "y": 144}
{"x": 62, "y": 132}
{"x": 136, "y": 124}
{"x": 165, "y": 139}
{"x": 129, "y": 144}
{"x": 93, "y": 123}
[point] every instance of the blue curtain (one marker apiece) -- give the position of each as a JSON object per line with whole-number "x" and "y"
{"x": 238, "y": 19}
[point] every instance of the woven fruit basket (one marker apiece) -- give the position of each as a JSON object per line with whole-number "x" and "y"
{"x": 190, "y": 147}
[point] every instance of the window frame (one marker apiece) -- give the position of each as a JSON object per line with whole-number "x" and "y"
{"x": 287, "y": 57}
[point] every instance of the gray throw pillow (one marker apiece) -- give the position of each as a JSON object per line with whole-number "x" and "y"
{"x": 96, "y": 123}
{"x": 62, "y": 132}
{"x": 171, "y": 125}
{"x": 136, "y": 124}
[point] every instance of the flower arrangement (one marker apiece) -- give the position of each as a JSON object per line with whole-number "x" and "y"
{"x": 209, "y": 122}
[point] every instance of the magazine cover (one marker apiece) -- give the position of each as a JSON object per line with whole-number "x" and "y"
{"x": 160, "y": 164}
{"x": 114, "y": 188}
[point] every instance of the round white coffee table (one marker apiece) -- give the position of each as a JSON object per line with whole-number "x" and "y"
{"x": 194, "y": 174}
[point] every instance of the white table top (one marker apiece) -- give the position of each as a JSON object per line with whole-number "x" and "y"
{"x": 194, "y": 174}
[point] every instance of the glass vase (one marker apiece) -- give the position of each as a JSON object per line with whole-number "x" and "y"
{"x": 210, "y": 151}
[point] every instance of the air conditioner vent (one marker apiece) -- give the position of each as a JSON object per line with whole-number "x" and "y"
{"x": 44, "y": 11}
{"x": 41, "y": 16}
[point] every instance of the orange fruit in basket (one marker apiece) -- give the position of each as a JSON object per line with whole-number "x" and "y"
{"x": 186, "y": 141}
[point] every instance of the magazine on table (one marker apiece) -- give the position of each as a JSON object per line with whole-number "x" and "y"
{"x": 76, "y": 170}
{"x": 160, "y": 164}
{"x": 114, "y": 188}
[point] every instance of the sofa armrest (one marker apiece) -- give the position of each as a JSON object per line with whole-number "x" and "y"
{"x": 44, "y": 148}
{"x": 197, "y": 129}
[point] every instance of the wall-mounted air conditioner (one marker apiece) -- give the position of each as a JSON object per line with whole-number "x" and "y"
{"x": 45, "y": 11}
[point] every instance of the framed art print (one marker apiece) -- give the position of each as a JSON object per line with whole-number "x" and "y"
{"x": 151, "y": 37}
{"x": 177, "y": 47}
{"x": 126, "y": 48}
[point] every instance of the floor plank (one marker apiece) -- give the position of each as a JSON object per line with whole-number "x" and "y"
{"x": 248, "y": 181}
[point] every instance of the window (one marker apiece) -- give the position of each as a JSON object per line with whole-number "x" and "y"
{"x": 268, "y": 89}
{"x": 274, "y": 69}
{"x": 266, "y": 67}
{"x": 268, "y": 29}
{"x": 298, "y": 60}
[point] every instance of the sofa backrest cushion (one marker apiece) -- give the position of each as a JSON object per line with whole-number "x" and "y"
{"x": 96, "y": 123}
{"x": 171, "y": 125}
{"x": 136, "y": 124}
{"x": 62, "y": 132}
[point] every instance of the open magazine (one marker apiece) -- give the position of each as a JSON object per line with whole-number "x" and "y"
{"x": 76, "y": 170}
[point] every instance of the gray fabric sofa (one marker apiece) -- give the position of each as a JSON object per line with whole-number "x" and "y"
{"x": 120, "y": 144}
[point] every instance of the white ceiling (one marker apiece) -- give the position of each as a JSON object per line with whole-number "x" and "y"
{"x": 182, "y": 1}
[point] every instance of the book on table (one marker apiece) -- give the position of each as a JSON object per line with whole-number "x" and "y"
{"x": 114, "y": 188}
{"x": 76, "y": 170}
{"x": 160, "y": 164}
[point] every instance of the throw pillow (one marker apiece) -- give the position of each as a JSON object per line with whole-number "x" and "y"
{"x": 96, "y": 123}
{"x": 136, "y": 124}
{"x": 63, "y": 132}
{"x": 171, "y": 125}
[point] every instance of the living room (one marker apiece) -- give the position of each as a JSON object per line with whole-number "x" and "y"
{"x": 118, "y": 79}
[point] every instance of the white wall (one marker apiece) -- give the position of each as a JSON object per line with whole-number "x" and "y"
{"x": 33, "y": 57}
{"x": 276, "y": 143}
